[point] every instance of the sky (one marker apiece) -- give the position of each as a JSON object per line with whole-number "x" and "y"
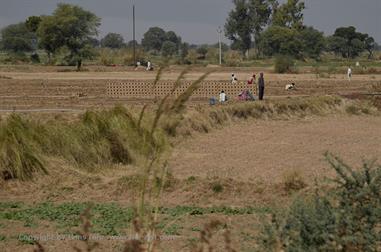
{"x": 196, "y": 21}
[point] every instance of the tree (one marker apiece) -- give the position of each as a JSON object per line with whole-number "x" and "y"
{"x": 17, "y": 38}
{"x": 184, "y": 50}
{"x": 32, "y": 23}
{"x": 131, "y": 43}
{"x": 338, "y": 45}
{"x": 113, "y": 40}
{"x": 172, "y": 36}
{"x": 281, "y": 40}
{"x": 369, "y": 45}
{"x": 313, "y": 42}
{"x": 72, "y": 27}
{"x": 202, "y": 51}
{"x": 168, "y": 49}
{"x": 355, "y": 42}
{"x": 289, "y": 14}
{"x": 260, "y": 12}
{"x": 153, "y": 39}
{"x": 239, "y": 26}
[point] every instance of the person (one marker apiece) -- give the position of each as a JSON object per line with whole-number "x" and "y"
{"x": 222, "y": 96}
{"x": 149, "y": 66}
{"x": 349, "y": 73}
{"x": 290, "y": 87}
{"x": 138, "y": 64}
{"x": 234, "y": 79}
{"x": 261, "y": 86}
{"x": 251, "y": 80}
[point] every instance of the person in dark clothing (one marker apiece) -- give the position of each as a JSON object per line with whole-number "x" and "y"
{"x": 261, "y": 86}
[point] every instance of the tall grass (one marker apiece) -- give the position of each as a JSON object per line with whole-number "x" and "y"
{"x": 20, "y": 156}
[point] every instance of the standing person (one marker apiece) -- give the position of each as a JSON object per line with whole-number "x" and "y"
{"x": 349, "y": 73}
{"x": 222, "y": 96}
{"x": 261, "y": 86}
{"x": 234, "y": 79}
{"x": 149, "y": 66}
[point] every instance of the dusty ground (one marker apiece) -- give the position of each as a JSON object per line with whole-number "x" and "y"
{"x": 249, "y": 159}
{"x": 31, "y": 88}
{"x": 265, "y": 150}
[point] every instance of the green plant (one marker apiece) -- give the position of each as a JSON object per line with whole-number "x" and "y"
{"x": 283, "y": 64}
{"x": 217, "y": 187}
{"x": 346, "y": 217}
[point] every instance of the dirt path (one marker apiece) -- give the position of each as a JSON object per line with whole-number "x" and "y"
{"x": 266, "y": 150}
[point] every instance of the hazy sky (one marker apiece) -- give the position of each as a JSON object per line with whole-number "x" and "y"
{"x": 196, "y": 21}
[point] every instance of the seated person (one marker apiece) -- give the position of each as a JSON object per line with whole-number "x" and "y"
{"x": 222, "y": 97}
{"x": 251, "y": 80}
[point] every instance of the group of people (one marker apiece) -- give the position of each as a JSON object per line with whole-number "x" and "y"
{"x": 149, "y": 66}
{"x": 246, "y": 94}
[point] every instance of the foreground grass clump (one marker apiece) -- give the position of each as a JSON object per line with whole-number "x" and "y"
{"x": 20, "y": 155}
{"x": 97, "y": 138}
{"x": 347, "y": 217}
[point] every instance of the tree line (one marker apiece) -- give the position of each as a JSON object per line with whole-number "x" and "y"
{"x": 272, "y": 28}
{"x": 265, "y": 26}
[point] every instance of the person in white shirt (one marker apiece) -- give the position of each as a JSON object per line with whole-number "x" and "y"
{"x": 349, "y": 73}
{"x": 149, "y": 66}
{"x": 234, "y": 79}
{"x": 222, "y": 97}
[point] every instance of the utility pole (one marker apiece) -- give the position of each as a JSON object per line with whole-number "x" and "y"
{"x": 219, "y": 30}
{"x": 134, "y": 41}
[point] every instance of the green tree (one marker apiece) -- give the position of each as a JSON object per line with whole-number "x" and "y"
{"x": 355, "y": 42}
{"x": 72, "y": 27}
{"x": 313, "y": 42}
{"x": 113, "y": 40}
{"x": 202, "y": 51}
{"x": 17, "y": 38}
{"x": 260, "y": 12}
{"x": 184, "y": 50}
{"x": 369, "y": 45}
{"x": 131, "y": 43}
{"x": 168, "y": 49}
{"x": 281, "y": 40}
{"x": 153, "y": 39}
{"x": 172, "y": 36}
{"x": 289, "y": 14}
{"x": 337, "y": 45}
{"x": 239, "y": 26}
{"x": 32, "y": 23}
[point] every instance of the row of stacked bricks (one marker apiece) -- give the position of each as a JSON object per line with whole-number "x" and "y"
{"x": 142, "y": 89}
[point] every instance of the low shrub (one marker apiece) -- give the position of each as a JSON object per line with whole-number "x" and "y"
{"x": 284, "y": 64}
{"x": 293, "y": 181}
{"x": 346, "y": 217}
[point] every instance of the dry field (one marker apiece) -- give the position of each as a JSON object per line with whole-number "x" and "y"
{"x": 235, "y": 174}
{"x": 48, "y": 89}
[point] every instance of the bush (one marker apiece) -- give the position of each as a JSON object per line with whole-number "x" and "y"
{"x": 345, "y": 218}
{"x": 293, "y": 181}
{"x": 233, "y": 58}
{"x": 284, "y": 64}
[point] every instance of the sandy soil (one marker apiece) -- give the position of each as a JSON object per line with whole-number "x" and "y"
{"x": 242, "y": 75}
{"x": 266, "y": 150}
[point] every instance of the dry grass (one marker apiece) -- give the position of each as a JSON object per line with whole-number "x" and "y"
{"x": 204, "y": 120}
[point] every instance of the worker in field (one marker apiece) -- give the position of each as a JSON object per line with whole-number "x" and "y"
{"x": 261, "y": 86}
{"x": 349, "y": 73}
{"x": 222, "y": 97}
